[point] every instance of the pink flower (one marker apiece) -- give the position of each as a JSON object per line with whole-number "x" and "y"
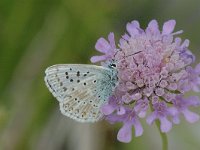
{"x": 153, "y": 69}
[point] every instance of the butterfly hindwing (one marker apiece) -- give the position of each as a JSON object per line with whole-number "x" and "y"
{"x": 80, "y": 89}
{"x": 84, "y": 103}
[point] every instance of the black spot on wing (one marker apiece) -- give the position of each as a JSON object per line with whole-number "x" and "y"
{"x": 65, "y": 89}
{"x": 50, "y": 86}
{"x": 78, "y": 73}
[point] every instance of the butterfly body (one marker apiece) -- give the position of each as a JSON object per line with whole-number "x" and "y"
{"x": 81, "y": 89}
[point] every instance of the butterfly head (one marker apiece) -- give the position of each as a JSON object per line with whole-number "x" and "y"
{"x": 111, "y": 64}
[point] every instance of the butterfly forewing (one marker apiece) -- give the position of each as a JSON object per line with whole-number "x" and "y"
{"x": 80, "y": 89}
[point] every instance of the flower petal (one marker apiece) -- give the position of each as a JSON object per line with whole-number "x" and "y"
{"x": 165, "y": 125}
{"x": 197, "y": 69}
{"x": 138, "y": 128}
{"x": 195, "y": 88}
{"x": 151, "y": 118}
{"x": 127, "y": 98}
{"x": 112, "y": 118}
{"x": 133, "y": 27}
{"x": 142, "y": 113}
{"x": 125, "y": 133}
{"x": 153, "y": 27}
{"x": 107, "y": 109}
{"x": 185, "y": 44}
{"x": 198, "y": 80}
{"x": 168, "y": 27}
{"x": 178, "y": 41}
{"x": 95, "y": 59}
{"x": 121, "y": 111}
{"x": 125, "y": 37}
{"x": 173, "y": 111}
{"x": 111, "y": 39}
{"x": 176, "y": 119}
{"x": 190, "y": 116}
{"x": 102, "y": 45}
{"x": 193, "y": 101}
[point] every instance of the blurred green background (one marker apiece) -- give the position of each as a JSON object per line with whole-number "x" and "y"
{"x": 35, "y": 34}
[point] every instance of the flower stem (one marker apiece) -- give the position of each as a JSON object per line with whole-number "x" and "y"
{"x": 163, "y": 136}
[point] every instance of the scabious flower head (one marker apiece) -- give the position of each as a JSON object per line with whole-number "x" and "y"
{"x": 154, "y": 72}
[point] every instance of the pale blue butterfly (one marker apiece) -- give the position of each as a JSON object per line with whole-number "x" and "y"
{"x": 82, "y": 89}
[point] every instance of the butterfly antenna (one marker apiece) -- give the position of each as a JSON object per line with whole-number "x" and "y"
{"x": 125, "y": 56}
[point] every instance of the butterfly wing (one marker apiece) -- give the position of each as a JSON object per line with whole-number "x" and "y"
{"x": 80, "y": 89}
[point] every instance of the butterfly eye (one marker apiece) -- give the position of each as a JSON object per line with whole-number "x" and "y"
{"x": 113, "y": 65}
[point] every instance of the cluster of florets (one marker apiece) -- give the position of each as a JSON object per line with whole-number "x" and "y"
{"x": 154, "y": 73}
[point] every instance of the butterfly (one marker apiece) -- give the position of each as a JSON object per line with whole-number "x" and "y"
{"x": 81, "y": 89}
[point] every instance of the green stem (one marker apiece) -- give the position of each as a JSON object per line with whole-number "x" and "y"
{"x": 163, "y": 136}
